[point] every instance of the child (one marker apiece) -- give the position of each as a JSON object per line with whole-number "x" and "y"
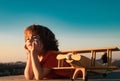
{"x": 40, "y": 44}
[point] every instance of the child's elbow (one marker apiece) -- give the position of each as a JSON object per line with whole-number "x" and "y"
{"x": 28, "y": 78}
{"x": 38, "y": 77}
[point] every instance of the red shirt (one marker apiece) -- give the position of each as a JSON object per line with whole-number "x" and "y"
{"x": 49, "y": 61}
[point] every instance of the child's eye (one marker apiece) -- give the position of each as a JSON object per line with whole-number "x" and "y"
{"x": 27, "y": 39}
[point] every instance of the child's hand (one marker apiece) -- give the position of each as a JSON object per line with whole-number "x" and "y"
{"x": 26, "y": 49}
{"x": 36, "y": 47}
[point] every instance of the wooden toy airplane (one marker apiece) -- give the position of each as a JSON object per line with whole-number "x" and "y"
{"x": 71, "y": 56}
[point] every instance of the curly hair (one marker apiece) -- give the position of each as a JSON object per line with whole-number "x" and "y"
{"x": 47, "y": 37}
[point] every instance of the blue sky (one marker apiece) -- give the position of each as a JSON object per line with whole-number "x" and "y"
{"x": 78, "y": 24}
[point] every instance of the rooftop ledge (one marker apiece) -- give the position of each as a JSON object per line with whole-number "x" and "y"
{"x": 21, "y": 78}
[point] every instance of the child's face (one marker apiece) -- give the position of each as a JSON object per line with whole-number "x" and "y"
{"x": 30, "y": 39}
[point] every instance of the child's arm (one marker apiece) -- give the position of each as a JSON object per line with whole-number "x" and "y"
{"x": 28, "y": 72}
{"x": 39, "y": 72}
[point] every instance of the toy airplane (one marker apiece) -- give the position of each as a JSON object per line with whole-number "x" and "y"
{"x": 71, "y": 56}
